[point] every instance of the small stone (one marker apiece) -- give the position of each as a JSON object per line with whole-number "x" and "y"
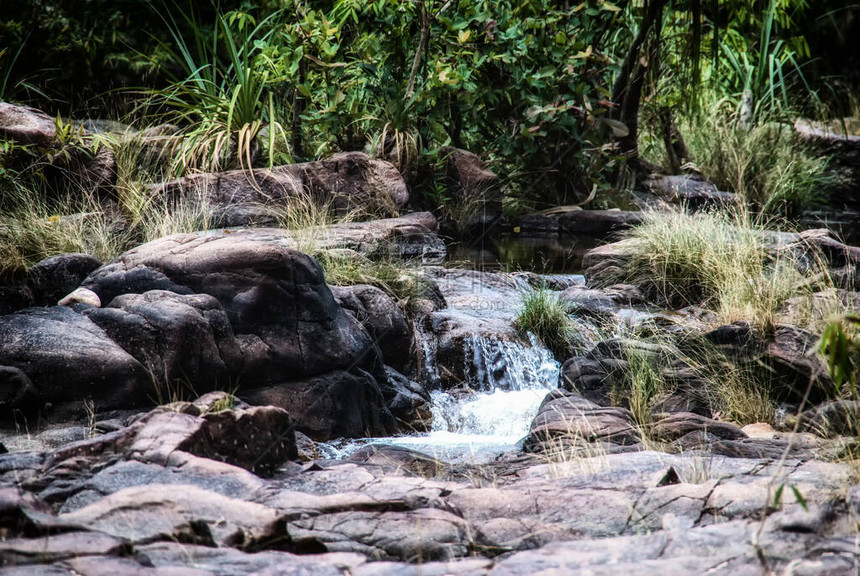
{"x": 81, "y": 296}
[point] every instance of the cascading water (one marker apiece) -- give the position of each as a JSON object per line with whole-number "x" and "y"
{"x": 506, "y": 383}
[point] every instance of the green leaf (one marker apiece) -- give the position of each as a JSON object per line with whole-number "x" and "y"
{"x": 799, "y": 497}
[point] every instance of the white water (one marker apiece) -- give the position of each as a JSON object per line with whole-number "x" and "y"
{"x": 509, "y": 381}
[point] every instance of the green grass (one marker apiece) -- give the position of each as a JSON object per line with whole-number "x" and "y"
{"x": 766, "y": 164}
{"x": 544, "y": 314}
{"x": 395, "y": 278}
{"x": 724, "y": 261}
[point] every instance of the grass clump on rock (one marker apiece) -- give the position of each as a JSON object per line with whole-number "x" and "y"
{"x": 724, "y": 261}
{"x": 544, "y": 314}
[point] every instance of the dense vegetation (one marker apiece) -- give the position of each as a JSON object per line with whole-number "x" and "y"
{"x": 555, "y": 95}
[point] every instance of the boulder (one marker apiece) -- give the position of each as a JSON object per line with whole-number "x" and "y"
{"x": 474, "y": 191}
{"x": 178, "y": 338}
{"x": 567, "y": 419}
{"x": 277, "y": 302}
{"x": 382, "y": 318}
{"x": 53, "y": 278}
{"x": 68, "y": 357}
{"x": 408, "y": 401}
{"x": 336, "y": 404}
{"x": 26, "y": 125}
{"x": 351, "y": 181}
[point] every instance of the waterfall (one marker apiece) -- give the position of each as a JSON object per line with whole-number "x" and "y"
{"x": 509, "y": 381}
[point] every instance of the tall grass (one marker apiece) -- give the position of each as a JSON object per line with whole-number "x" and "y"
{"x": 32, "y": 228}
{"x": 766, "y": 163}
{"x": 724, "y": 261}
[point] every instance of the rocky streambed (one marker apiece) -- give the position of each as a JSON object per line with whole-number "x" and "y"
{"x": 217, "y": 485}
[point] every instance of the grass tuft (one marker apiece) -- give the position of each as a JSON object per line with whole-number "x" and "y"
{"x": 725, "y": 261}
{"x": 544, "y": 314}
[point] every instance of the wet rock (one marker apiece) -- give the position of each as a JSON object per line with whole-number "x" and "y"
{"x": 334, "y": 404}
{"x": 408, "y": 401}
{"x": 54, "y": 277}
{"x": 400, "y": 459}
{"x": 68, "y": 357}
{"x": 352, "y": 181}
{"x": 565, "y": 418}
{"x": 14, "y": 296}
{"x": 176, "y": 337}
{"x": 384, "y": 320}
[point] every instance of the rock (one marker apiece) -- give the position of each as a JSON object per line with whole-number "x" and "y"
{"x": 565, "y": 418}
{"x": 55, "y": 277}
{"x": 352, "y": 181}
{"x": 68, "y": 357}
{"x": 399, "y": 459}
{"x": 607, "y": 265}
{"x": 679, "y": 424}
{"x": 290, "y": 330}
{"x": 16, "y": 390}
{"x": 177, "y": 338}
{"x": 843, "y": 151}
{"x": 833, "y": 418}
{"x": 81, "y": 296}
{"x": 14, "y": 297}
{"x": 143, "y": 514}
{"x": 331, "y": 405}
{"x": 408, "y": 402}
{"x": 475, "y": 193}
{"x": 599, "y": 223}
{"x": 26, "y": 125}
{"x": 592, "y": 378}
{"x": 412, "y": 236}
{"x": 691, "y": 191}
{"x": 259, "y": 439}
{"x": 58, "y": 547}
{"x": 427, "y": 533}
{"x": 786, "y": 355}
{"x": 383, "y": 319}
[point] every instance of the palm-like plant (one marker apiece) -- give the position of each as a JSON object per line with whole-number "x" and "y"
{"x": 225, "y": 99}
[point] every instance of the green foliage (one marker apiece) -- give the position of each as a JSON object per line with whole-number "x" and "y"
{"x": 226, "y": 97}
{"x": 840, "y": 347}
{"x": 544, "y": 314}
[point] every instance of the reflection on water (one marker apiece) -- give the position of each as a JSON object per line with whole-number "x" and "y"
{"x": 514, "y": 253}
